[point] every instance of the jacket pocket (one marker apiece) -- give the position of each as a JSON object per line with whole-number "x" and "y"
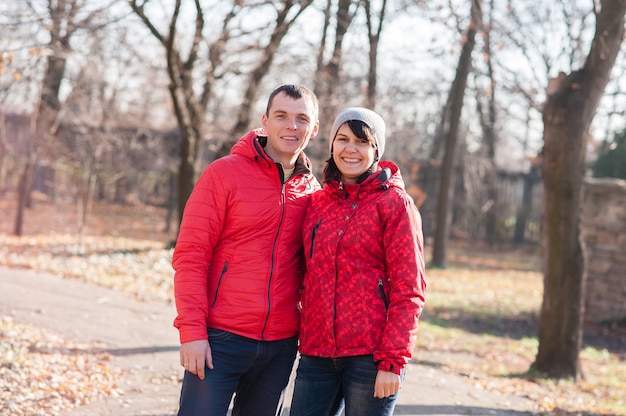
{"x": 219, "y": 283}
{"x": 313, "y": 234}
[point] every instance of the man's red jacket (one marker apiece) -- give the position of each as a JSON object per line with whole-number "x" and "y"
{"x": 237, "y": 261}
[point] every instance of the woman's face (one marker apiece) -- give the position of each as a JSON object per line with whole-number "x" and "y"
{"x": 352, "y": 155}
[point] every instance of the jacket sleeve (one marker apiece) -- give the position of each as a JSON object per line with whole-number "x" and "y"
{"x": 404, "y": 256}
{"x": 201, "y": 225}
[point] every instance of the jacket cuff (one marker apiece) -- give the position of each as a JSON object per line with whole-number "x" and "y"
{"x": 192, "y": 335}
{"x": 389, "y": 367}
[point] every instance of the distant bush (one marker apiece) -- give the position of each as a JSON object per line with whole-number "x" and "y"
{"x": 611, "y": 162}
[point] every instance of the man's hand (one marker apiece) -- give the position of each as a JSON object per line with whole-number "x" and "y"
{"x": 193, "y": 355}
{"x": 386, "y": 384}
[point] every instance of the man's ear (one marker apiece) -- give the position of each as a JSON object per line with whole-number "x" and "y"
{"x": 315, "y": 129}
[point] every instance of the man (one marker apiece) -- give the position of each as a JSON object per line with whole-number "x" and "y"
{"x": 238, "y": 264}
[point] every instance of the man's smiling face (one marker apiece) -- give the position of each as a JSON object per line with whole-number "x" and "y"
{"x": 290, "y": 124}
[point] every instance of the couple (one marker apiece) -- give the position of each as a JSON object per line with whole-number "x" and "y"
{"x": 259, "y": 241}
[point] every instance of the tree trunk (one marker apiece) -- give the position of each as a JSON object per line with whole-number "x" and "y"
{"x": 567, "y": 115}
{"x": 3, "y": 151}
{"x": 328, "y": 75}
{"x": 457, "y": 93}
{"x": 171, "y": 202}
{"x": 43, "y": 124}
{"x": 488, "y": 122}
{"x": 374, "y": 39}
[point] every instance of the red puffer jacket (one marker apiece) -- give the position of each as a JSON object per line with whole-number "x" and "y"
{"x": 364, "y": 284}
{"x": 238, "y": 257}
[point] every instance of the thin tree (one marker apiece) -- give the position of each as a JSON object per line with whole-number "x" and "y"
{"x": 455, "y": 106}
{"x": 487, "y": 118}
{"x": 571, "y": 104}
{"x": 328, "y": 73}
{"x": 373, "y": 35}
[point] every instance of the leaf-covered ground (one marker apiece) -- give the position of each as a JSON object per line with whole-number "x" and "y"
{"x": 41, "y": 374}
{"x": 480, "y": 318}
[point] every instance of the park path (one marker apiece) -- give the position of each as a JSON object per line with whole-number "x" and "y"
{"x": 143, "y": 342}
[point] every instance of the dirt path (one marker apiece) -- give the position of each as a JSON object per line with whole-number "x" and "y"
{"x": 143, "y": 342}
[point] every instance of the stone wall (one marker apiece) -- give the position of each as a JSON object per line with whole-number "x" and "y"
{"x": 603, "y": 229}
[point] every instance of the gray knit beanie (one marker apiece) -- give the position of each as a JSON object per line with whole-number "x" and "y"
{"x": 370, "y": 118}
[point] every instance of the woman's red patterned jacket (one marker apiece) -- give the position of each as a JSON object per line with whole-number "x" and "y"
{"x": 364, "y": 285}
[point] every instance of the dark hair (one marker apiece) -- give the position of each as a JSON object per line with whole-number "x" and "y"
{"x": 295, "y": 91}
{"x": 361, "y": 131}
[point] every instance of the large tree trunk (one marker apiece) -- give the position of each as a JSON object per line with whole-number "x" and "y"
{"x": 44, "y": 123}
{"x": 571, "y": 104}
{"x": 457, "y": 93}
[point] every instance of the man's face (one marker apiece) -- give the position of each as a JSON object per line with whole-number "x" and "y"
{"x": 290, "y": 125}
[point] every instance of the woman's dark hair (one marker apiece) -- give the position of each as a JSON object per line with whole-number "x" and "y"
{"x": 361, "y": 131}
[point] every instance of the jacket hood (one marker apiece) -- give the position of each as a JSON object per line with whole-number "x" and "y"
{"x": 249, "y": 146}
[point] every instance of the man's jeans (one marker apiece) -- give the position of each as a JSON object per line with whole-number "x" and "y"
{"x": 257, "y": 372}
{"x": 324, "y": 386}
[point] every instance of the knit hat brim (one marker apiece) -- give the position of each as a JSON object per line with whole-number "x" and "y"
{"x": 370, "y": 118}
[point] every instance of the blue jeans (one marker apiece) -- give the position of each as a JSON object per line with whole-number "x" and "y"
{"x": 256, "y": 372}
{"x": 325, "y": 386}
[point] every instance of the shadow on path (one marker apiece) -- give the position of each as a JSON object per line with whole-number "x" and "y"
{"x": 454, "y": 410}
{"x": 118, "y": 352}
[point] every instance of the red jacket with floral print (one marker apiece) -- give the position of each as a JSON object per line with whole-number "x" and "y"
{"x": 238, "y": 256}
{"x": 364, "y": 284}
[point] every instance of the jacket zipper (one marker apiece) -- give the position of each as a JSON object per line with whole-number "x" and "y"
{"x": 313, "y": 234}
{"x": 269, "y": 283}
{"x": 381, "y": 290}
{"x": 219, "y": 283}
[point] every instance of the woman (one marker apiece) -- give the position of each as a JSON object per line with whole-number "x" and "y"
{"x": 364, "y": 285}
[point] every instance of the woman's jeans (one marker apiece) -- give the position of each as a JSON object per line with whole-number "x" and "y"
{"x": 325, "y": 386}
{"x": 257, "y": 372}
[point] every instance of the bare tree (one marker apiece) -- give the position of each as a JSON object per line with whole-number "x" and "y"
{"x": 190, "y": 102}
{"x": 373, "y": 34}
{"x": 189, "y": 105}
{"x": 487, "y": 118}
{"x": 451, "y": 123}
{"x": 328, "y": 73}
{"x": 572, "y": 101}
{"x": 281, "y": 27}
{"x": 66, "y": 17}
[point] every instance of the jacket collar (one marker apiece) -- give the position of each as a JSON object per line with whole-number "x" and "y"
{"x": 386, "y": 176}
{"x": 252, "y": 146}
